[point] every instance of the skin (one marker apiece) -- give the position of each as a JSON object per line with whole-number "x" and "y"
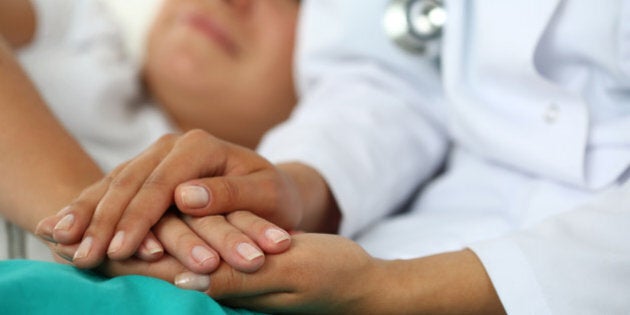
{"x": 65, "y": 171}
{"x": 195, "y": 75}
{"x": 328, "y": 274}
{"x": 447, "y": 283}
{"x": 199, "y": 73}
{"x": 320, "y": 273}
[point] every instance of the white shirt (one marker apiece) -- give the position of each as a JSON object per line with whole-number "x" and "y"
{"x": 85, "y": 61}
{"x": 530, "y": 111}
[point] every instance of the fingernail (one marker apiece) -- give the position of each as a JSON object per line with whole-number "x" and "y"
{"x": 192, "y": 281}
{"x": 84, "y": 248}
{"x": 117, "y": 242}
{"x": 248, "y": 251}
{"x": 277, "y": 236}
{"x": 195, "y": 197}
{"x": 64, "y": 256}
{"x": 65, "y": 223}
{"x": 45, "y": 232}
{"x": 201, "y": 254}
{"x": 153, "y": 247}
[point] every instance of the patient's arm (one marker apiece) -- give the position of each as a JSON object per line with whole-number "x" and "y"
{"x": 42, "y": 166}
{"x": 17, "y": 22}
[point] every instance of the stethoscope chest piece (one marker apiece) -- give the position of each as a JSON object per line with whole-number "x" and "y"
{"x": 416, "y": 25}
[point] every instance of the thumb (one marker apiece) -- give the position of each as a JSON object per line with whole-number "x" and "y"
{"x": 260, "y": 193}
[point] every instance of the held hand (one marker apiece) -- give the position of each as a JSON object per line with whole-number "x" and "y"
{"x": 114, "y": 216}
{"x": 320, "y": 274}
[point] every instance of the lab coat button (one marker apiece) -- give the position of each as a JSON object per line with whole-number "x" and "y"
{"x": 552, "y": 113}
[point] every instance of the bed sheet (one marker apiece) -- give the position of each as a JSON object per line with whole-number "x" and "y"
{"x": 35, "y": 287}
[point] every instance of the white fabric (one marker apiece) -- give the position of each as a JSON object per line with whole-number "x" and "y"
{"x": 134, "y": 17}
{"x": 80, "y": 64}
{"x": 530, "y": 109}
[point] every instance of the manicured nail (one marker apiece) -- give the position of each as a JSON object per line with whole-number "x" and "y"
{"x": 248, "y": 251}
{"x": 192, "y": 281}
{"x": 195, "y": 197}
{"x": 65, "y": 223}
{"x": 117, "y": 242}
{"x": 201, "y": 254}
{"x": 277, "y": 236}
{"x": 84, "y": 249}
{"x": 153, "y": 247}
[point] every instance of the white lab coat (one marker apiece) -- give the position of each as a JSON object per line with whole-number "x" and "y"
{"x": 530, "y": 111}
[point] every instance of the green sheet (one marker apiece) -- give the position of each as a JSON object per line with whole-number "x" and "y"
{"x": 31, "y": 287}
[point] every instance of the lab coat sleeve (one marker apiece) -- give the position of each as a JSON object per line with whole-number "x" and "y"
{"x": 369, "y": 117}
{"x": 575, "y": 263}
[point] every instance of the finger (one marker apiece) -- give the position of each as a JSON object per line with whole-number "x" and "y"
{"x": 236, "y": 248}
{"x": 120, "y": 191}
{"x": 196, "y": 154}
{"x": 70, "y": 222}
{"x": 269, "y": 237}
{"x": 45, "y": 227}
{"x": 226, "y": 282}
{"x": 263, "y": 193}
{"x": 166, "y": 268}
{"x": 183, "y": 244}
{"x": 66, "y": 252}
{"x": 184, "y": 161}
{"x": 150, "y": 249}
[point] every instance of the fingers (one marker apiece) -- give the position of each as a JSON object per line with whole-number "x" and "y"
{"x": 269, "y": 237}
{"x": 166, "y": 268}
{"x": 236, "y": 248}
{"x": 195, "y": 154}
{"x": 102, "y": 235}
{"x": 68, "y": 225}
{"x": 185, "y": 245}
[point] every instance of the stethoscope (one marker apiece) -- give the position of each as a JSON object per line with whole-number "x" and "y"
{"x": 416, "y": 25}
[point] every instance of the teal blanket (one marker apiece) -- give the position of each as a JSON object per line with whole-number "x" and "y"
{"x": 30, "y": 287}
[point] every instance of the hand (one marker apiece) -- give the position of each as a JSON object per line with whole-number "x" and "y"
{"x": 237, "y": 236}
{"x": 116, "y": 214}
{"x": 320, "y": 274}
{"x": 328, "y": 274}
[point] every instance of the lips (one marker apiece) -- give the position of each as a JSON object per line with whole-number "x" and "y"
{"x": 208, "y": 27}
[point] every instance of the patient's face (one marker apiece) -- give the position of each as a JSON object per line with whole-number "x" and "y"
{"x": 224, "y": 65}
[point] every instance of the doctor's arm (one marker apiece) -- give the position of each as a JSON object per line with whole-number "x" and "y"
{"x": 328, "y": 274}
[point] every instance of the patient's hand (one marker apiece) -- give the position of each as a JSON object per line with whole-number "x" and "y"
{"x": 114, "y": 216}
{"x": 236, "y": 238}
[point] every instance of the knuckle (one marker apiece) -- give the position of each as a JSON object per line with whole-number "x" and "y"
{"x": 123, "y": 182}
{"x": 208, "y": 223}
{"x": 195, "y": 136}
{"x": 232, "y": 238}
{"x": 230, "y": 191}
{"x": 167, "y": 139}
{"x": 156, "y": 181}
{"x": 248, "y": 221}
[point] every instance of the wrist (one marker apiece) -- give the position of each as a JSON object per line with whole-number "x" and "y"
{"x": 317, "y": 204}
{"x": 449, "y": 283}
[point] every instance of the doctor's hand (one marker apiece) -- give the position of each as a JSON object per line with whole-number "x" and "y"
{"x": 328, "y": 274}
{"x": 201, "y": 174}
